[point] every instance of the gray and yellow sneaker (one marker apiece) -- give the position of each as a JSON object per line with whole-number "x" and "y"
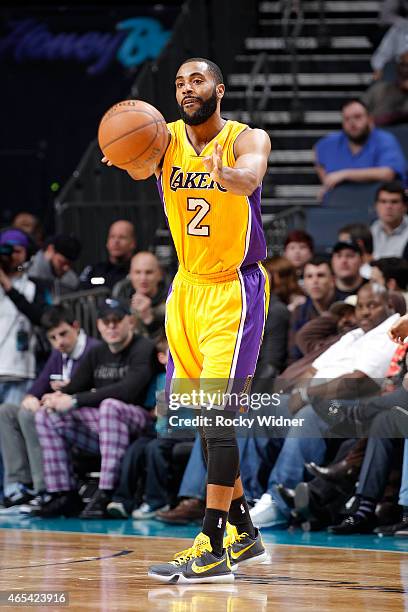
{"x": 242, "y": 549}
{"x": 194, "y": 565}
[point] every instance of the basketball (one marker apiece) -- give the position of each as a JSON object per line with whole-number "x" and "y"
{"x": 133, "y": 134}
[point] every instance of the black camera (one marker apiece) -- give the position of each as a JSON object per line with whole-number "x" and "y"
{"x": 6, "y": 250}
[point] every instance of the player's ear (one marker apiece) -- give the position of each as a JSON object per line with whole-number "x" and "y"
{"x": 220, "y": 90}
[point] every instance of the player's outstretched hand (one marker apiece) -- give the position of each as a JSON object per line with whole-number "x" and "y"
{"x": 138, "y": 174}
{"x": 213, "y": 163}
{"x": 399, "y": 331}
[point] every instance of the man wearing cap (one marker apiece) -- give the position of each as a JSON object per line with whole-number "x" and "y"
{"x": 21, "y": 306}
{"x": 346, "y": 263}
{"x": 53, "y": 264}
{"x": 98, "y": 411}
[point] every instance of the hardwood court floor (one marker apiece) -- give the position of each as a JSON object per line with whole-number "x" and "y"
{"x": 106, "y": 573}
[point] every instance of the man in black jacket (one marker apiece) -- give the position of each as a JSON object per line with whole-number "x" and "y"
{"x": 98, "y": 411}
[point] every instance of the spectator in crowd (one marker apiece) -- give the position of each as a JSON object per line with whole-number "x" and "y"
{"x": 361, "y": 234}
{"x": 97, "y": 411}
{"x": 273, "y": 354}
{"x": 121, "y": 245}
{"x": 360, "y": 153}
{"x": 31, "y": 225}
{"x": 21, "y": 451}
{"x": 299, "y": 249}
{"x": 145, "y": 292}
{"x": 191, "y": 495}
{"x": 390, "y": 230}
{"x": 52, "y": 265}
{"x": 393, "y": 44}
{"x": 393, "y": 12}
{"x": 319, "y": 287}
{"x": 313, "y": 339}
{"x": 387, "y": 101}
{"x": 352, "y": 366}
{"x": 346, "y": 262}
{"x": 388, "y": 425}
{"x": 134, "y": 482}
{"x": 22, "y": 304}
{"x": 285, "y": 281}
{"x": 392, "y": 273}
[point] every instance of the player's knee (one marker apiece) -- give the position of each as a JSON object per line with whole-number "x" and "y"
{"x": 223, "y": 461}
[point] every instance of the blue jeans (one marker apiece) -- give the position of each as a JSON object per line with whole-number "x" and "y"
{"x": 194, "y": 481}
{"x": 195, "y": 475}
{"x": 302, "y": 445}
{"x": 403, "y": 496}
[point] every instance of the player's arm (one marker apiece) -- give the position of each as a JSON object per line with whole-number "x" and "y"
{"x": 252, "y": 150}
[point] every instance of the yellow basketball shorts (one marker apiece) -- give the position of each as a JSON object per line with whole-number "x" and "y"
{"x": 214, "y": 327}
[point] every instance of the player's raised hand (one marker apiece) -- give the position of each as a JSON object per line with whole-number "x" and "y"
{"x": 106, "y": 161}
{"x": 213, "y": 163}
{"x": 399, "y": 331}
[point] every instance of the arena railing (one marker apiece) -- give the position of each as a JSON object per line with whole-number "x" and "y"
{"x": 278, "y": 225}
{"x": 260, "y": 67}
{"x": 84, "y": 306}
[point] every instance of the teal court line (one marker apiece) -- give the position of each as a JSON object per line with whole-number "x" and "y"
{"x": 157, "y": 529}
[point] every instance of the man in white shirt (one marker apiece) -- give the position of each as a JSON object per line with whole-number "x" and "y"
{"x": 390, "y": 231}
{"x": 353, "y": 365}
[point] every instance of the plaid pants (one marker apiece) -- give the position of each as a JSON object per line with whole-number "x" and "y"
{"x": 106, "y": 429}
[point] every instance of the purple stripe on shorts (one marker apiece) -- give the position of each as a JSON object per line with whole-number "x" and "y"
{"x": 257, "y": 245}
{"x": 253, "y": 283}
{"x": 169, "y": 375}
{"x": 170, "y": 362}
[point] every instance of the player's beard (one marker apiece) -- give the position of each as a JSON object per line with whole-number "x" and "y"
{"x": 204, "y": 111}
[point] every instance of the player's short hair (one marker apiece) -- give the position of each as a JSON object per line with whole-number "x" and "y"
{"x": 55, "y": 315}
{"x": 212, "y": 67}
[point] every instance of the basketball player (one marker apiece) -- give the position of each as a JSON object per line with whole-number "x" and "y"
{"x": 210, "y": 182}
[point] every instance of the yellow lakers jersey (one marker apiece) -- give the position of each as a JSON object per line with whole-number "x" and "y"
{"x": 213, "y": 230}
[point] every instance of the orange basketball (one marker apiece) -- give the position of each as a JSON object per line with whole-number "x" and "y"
{"x": 133, "y": 134}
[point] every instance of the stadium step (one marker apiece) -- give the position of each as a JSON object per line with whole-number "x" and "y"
{"x": 331, "y": 69}
{"x": 313, "y": 62}
{"x": 267, "y": 43}
{"x": 366, "y": 7}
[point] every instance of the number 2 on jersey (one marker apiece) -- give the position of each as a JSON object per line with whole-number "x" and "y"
{"x": 194, "y": 228}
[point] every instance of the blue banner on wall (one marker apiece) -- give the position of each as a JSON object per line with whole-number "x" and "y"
{"x": 131, "y": 42}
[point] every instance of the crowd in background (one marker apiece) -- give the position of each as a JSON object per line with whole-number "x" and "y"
{"x": 76, "y": 400}
{"x": 72, "y": 404}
